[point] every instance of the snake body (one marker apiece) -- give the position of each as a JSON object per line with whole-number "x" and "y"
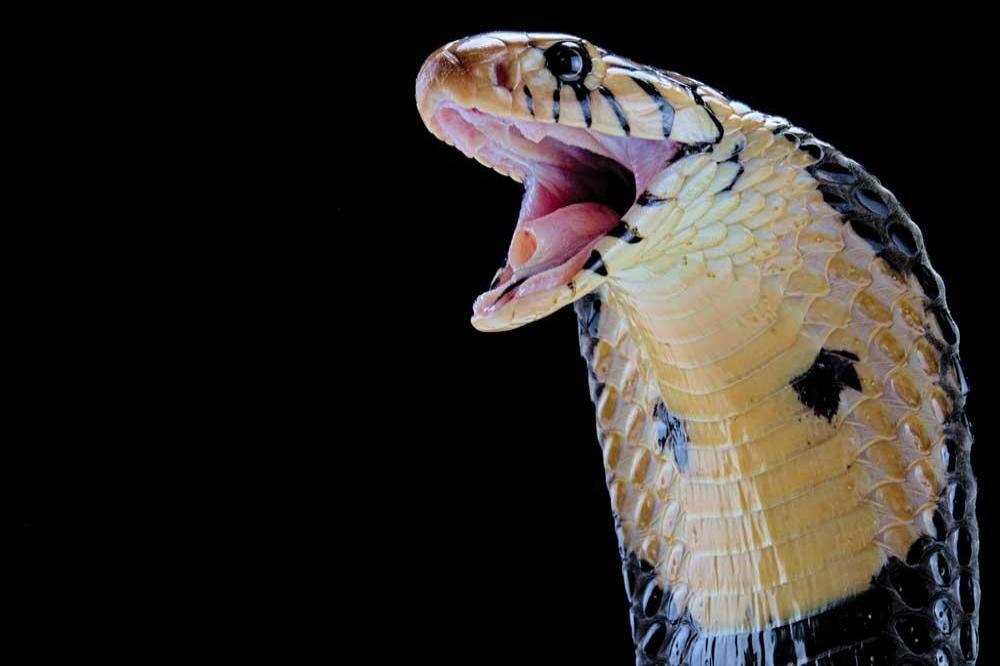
{"x": 774, "y": 369}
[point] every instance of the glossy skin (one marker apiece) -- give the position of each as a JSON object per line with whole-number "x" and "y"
{"x": 775, "y": 372}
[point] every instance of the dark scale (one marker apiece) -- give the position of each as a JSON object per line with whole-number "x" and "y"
{"x": 872, "y": 234}
{"x": 949, "y": 332}
{"x": 670, "y": 432}
{"x": 595, "y": 262}
{"x": 625, "y": 233}
{"x": 928, "y": 281}
{"x": 876, "y": 627}
{"x": 588, "y": 319}
{"x": 529, "y": 101}
{"x": 872, "y": 212}
{"x": 871, "y": 200}
{"x": 736, "y": 176}
{"x": 649, "y": 199}
{"x": 819, "y": 387}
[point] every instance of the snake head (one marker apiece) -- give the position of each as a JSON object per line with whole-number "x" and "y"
{"x": 582, "y": 129}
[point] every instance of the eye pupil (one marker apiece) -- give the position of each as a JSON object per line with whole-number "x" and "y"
{"x": 568, "y": 61}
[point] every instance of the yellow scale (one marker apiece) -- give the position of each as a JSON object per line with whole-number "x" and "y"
{"x": 779, "y": 512}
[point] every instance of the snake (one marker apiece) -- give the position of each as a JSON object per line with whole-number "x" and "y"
{"x": 775, "y": 373}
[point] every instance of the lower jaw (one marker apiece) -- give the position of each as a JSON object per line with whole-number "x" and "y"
{"x": 535, "y": 294}
{"x": 561, "y": 167}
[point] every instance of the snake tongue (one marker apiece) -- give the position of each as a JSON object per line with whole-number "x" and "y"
{"x": 545, "y": 241}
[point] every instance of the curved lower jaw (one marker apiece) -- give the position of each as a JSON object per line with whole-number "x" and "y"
{"x": 578, "y": 184}
{"x": 516, "y": 303}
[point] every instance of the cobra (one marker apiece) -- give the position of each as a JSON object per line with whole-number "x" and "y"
{"x": 778, "y": 392}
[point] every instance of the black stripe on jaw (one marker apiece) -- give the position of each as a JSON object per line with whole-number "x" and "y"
{"x": 739, "y": 172}
{"x": 616, "y": 107}
{"x": 583, "y": 97}
{"x": 529, "y": 100}
{"x": 711, "y": 114}
{"x": 666, "y": 111}
{"x": 512, "y": 286}
{"x": 596, "y": 263}
{"x": 555, "y": 103}
{"x": 625, "y": 233}
{"x": 648, "y": 199}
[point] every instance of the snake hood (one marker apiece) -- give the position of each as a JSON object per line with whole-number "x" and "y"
{"x": 775, "y": 372}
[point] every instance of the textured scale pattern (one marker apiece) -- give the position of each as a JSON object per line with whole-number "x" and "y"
{"x": 920, "y": 608}
{"x": 775, "y": 373}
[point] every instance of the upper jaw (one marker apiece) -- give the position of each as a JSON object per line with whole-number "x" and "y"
{"x": 578, "y": 185}
{"x": 578, "y": 182}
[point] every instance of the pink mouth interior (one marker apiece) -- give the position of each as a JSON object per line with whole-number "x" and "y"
{"x": 578, "y": 184}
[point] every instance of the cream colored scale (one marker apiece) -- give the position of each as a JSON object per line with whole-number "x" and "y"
{"x": 779, "y": 512}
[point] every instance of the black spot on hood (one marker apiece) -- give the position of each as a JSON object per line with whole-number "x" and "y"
{"x": 819, "y": 387}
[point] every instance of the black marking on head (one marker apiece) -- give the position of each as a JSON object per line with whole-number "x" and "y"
{"x": 648, "y": 199}
{"x": 529, "y": 100}
{"x": 693, "y": 89}
{"x": 568, "y": 61}
{"x": 583, "y": 97}
{"x": 666, "y": 111}
{"x": 626, "y": 233}
{"x": 595, "y": 262}
{"x": 555, "y": 103}
{"x": 670, "y": 431}
{"x": 819, "y": 387}
{"x": 616, "y": 107}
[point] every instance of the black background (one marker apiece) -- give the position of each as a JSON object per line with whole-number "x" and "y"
{"x": 504, "y": 483}
{"x": 342, "y": 457}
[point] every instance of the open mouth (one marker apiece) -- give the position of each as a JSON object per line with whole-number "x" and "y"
{"x": 578, "y": 185}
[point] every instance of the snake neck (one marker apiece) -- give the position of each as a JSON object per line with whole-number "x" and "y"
{"x": 778, "y": 407}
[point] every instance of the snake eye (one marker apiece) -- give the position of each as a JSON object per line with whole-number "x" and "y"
{"x": 569, "y": 61}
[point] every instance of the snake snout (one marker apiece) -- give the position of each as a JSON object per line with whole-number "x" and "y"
{"x": 475, "y": 72}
